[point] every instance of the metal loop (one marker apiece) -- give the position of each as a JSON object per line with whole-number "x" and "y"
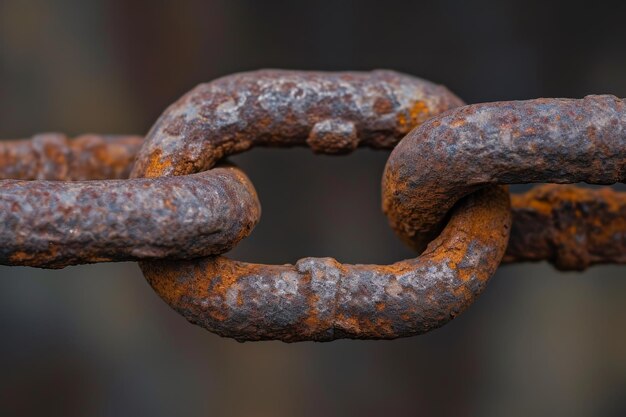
{"x": 542, "y": 140}
{"x": 570, "y": 226}
{"x": 318, "y": 299}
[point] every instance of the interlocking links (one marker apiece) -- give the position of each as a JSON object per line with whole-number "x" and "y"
{"x": 52, "y": 156}
{"x": 542, "y": 140}
{"x": 570, "y": 226}
{"x": 53, "y": 224}
{"x": 318, "y": 298}
{"x": 329, "y": 112}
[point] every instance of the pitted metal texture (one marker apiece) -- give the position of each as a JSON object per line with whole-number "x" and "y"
{"x": 442, "y": 191}
{"x": 515, "y": 142}
{"x": 331, "y": 112}
{"x": 543, "y": 218}
{"x": 52, "y": 224}
{"x": 571, "y": 227}
{"x": 53, "y": 156}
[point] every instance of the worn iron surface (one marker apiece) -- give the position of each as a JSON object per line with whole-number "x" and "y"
{"x": 331, "y": 112}
{"x": 52, "y": 156}
{"x": 452, "y": 168}
{"x": 320, "y": 299}
{"x": 572, "y": 227}
{"x": 542, "y": 140}
{"x": 53, "y": 224}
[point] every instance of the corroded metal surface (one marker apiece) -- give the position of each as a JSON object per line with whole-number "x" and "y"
{"x": 53, "y": 224}
{"x": 571, "y": 227}
{"x": 52, "y": 156}
{"x": 329, "y": 112}
{"x": 320, "y": 299}
{"x": 542, "y": 140}
{"x": 452, "y": 167}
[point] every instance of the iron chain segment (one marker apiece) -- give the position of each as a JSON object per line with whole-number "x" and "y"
{"x": 517, "y": 142}
{"x": 318, "y": 299}
{"x": 443, "y": 191}
{"x": 53, "y": 156}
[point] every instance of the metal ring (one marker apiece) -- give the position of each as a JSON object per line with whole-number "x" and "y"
{"x": 542, "y": 140}
{"x": 318, "y": 299}
{"x": 569, "y": 226}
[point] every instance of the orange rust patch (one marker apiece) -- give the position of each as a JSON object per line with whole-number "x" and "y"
{"x": 417, "y": 114}
{"x": 312, "y": 321}
{"x": 156, "y": 166}
{"x": 239, "y": 299}
{"x": 383, "y": 326}
{"x": 168, "y": 203}
{"x": 350, "y": 323}
{"x": 20, "y": 256}
{"x": 458, "y": 122}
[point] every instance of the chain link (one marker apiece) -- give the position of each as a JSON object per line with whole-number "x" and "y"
{"x": 515, "y": 142}
{"x": 53, "y": 156}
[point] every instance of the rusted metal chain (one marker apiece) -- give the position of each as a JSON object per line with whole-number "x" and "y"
{"x": 380, "y": 107}
{"x": 52, "y": 156}
{"x": 318, "y": 299}
{"x": 450, "y": 168}
{"x": 542, "y": 140}
{"x": 53, "y": 224}
{"x": 571, "y": 227}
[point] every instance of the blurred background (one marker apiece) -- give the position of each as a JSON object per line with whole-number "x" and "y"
{"x": 95, "y": 340}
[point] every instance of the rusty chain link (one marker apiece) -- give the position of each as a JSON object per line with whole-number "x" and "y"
{"x": 569, "y": 226}
{"x": 442, "y": 191}
{"x": 317, "y": 299}
{"x": 52, "y": 156}
{"x": 543, "y": 140}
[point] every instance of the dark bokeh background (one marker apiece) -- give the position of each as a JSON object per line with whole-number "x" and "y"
{"x": 95, "y": 340}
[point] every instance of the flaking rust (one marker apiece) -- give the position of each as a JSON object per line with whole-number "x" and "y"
{"x": 515, "y": 142}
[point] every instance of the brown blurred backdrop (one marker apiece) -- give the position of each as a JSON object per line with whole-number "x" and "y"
{"x": 96, "y": 341}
